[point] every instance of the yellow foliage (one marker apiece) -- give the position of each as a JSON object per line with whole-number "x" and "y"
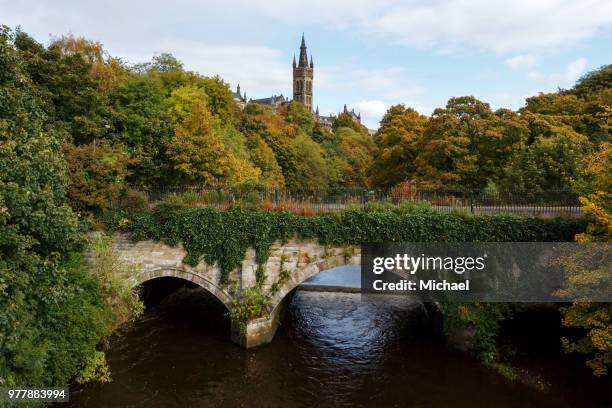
{"x": 594, "y": 318}
{"x": 107, "y": 71}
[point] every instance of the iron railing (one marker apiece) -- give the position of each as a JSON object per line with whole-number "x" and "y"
{"x": 521, "y": 202}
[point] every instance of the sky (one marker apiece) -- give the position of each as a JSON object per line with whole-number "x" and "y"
{"x": 368, "y": 54}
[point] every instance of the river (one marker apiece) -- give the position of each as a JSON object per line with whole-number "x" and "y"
{"x": 332, "y": 350}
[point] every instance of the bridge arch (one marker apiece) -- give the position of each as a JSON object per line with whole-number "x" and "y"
{"x": 144, "y": 276}
{"x": 301, "y": 273}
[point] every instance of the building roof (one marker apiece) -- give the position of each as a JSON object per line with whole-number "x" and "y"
{"x": 237, "y": 96}
{"x": 352, "y": 113}
{"x": 274, "y": 99}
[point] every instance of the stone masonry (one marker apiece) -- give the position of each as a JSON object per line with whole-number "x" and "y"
{"x": 301, "y": 258}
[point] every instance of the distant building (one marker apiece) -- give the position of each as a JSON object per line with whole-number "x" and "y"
{"x": 302, "y": 77}
{"x": 328, "y": 121}
{"x": 303, "y": 74}
{"x": 355, "y": 116}
{"x": 239, "y": 99}
{"x": 325, "y": 121}
{"x": 275, "y": 101}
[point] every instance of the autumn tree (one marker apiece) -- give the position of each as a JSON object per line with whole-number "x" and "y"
{"x": 585, "y": 269}
{"x": 550, "y": 160}
{"x": 182, "y": 100}
{"x": 97, "y": 175}
{"x": 69, "y": 92}
{"x": 107, "y": 71}
{"x": 397, "y": 141}
{"x": 199, "y": 156}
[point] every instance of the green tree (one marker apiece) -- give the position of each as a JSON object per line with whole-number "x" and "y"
{"x": 196, "y": 150}
{"x": 398, "y": 140}
{"x": 550, "y": 161}
{"x": 345, "y": 120}
{"x": 72, "y": 100}
{"x": 220, "y": 100}
{"x": 351, "y": 158}
{"x": 53, "y": 309}
{"x": 594, "y": 82}
{"x": 199, "y": 156}
{"x": 97, "y": 175}
{"x": 143, "y": 127}
{"x": 183, "y": 99}
{"x": 300, "y": 116}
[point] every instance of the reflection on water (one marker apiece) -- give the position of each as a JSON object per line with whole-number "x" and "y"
{"x": 332, "y": 350}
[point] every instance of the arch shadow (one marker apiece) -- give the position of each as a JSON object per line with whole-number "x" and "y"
{"x": 146, "y": 276}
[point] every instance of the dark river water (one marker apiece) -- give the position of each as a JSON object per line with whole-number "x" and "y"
{"x": 332, "y": 350}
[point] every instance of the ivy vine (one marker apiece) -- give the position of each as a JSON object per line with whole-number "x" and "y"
{"x": 223, "y": 237}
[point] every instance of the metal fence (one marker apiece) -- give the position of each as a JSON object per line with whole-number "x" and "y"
{"x": 306, "y": 202}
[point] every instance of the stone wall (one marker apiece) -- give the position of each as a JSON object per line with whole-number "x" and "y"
{"x": 302, "y": 259}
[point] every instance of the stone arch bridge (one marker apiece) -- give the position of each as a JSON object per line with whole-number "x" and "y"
{"x": 302, "y": 259}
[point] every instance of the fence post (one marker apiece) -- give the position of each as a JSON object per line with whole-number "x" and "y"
{"x": 472, "y": 201}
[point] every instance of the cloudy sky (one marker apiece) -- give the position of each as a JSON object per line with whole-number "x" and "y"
{"x": 368, "y": 54}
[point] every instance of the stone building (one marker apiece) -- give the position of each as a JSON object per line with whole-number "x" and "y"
{"x": 239, "y": 99}
{"x": 302, "y": 77}
{"x": 275, "y": 101}
{"x": 355, "y": 116}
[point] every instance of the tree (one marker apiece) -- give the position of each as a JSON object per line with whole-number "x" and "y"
{"x": 143, "y": 127}
{"x": 71, "y": 96}
{"x": 220, "y": 99}
{"x": 351, "y": 157}
{"x": 199, "y": 156}
{"x": 300, "y": 116}
{"x": 594, "y": 319}
{"x": 108, "y": 72}
{"x": 550, "y": 162}
{"x": 345, "y": 120}
{"x": 164, "y": 62}
{"x": 53, "y": 310}
{"x": 97, "y": 175}
{"x": 196, "y": 150}
{"x": 593, "y": 82}
{"x": 397, "y": 140}
{"x": 183, "y": 99}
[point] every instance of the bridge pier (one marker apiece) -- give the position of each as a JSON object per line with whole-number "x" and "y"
{"x": 260, "y": 331}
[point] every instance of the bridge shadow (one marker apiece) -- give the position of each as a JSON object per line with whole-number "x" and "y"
{"x": 180, "y": 302}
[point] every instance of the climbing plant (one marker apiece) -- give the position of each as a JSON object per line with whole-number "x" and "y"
{"x": 222, "y": 237}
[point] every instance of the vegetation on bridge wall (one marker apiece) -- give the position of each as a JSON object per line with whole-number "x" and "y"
{"x": 223, "y": 236}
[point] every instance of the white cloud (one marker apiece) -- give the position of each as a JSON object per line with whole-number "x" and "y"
{"x": 500, "y": 26}
{"x": 260, "y": 71}
{"x": 372, "y": 110}
{"x": 386, "y": 83}
{"x": 567, "y": 78}
{"x": 574, "y": 70}
{"x": 505, "y": 26}
{"x": 523, "y": 61}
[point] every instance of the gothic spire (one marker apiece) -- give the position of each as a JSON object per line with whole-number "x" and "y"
{"x": 303, "y": 62}
{"x": 294, "y": 61}
{"x": 311, "y": 64}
